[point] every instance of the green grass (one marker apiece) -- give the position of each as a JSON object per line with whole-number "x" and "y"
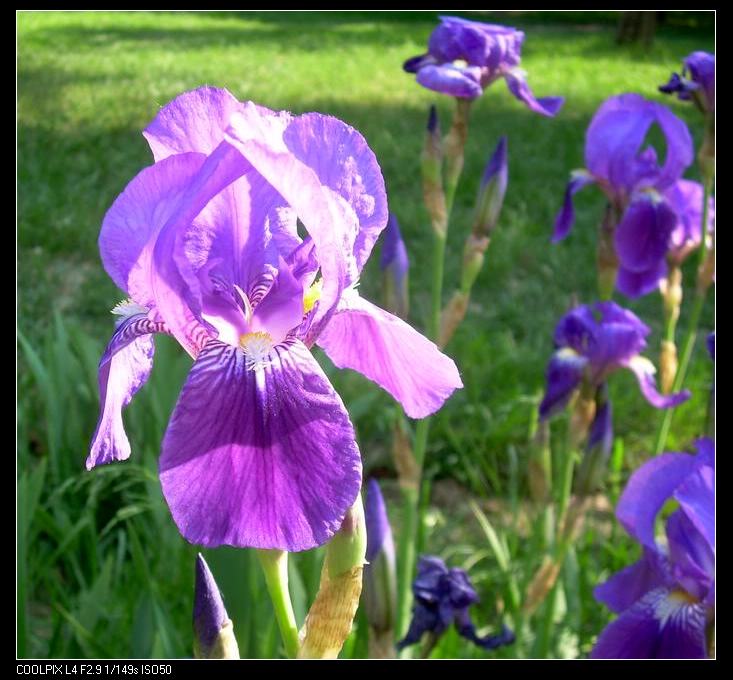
{"x": 102, "y": 570}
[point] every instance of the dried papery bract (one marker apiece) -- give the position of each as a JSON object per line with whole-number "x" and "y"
{"x": 331, "y": 615}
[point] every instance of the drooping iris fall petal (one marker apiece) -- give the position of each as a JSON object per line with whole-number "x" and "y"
{"x": 392, "y": 354}
{"x": 264, "y": 458}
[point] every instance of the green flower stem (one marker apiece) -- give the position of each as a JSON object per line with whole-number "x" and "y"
{"x": 275, "y": 565}
{"x": 691, "y": 335}
{"x": 454, "y": 144}
{"x": 407, "y": 543}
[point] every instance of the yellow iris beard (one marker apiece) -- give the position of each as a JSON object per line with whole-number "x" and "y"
{"x": 312, "y": 295}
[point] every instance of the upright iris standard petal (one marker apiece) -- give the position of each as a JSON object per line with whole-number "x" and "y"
{"x": 392, "y": 354}
{"x": 696, "y": 496}
{"x": 124, "y": 368}
{"x": 193, "y": 121}
{"x": 614, "y": 139}
{"x": 132, "y": 224}
{"x": 661, "y": 625}
{"x": 338, "y": 193}
{"x": 261, "y": 457}
{"x": 647, "y": 491}
{"x": 172, "y": 274}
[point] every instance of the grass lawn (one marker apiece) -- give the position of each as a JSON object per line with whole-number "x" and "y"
{"x": 103, "y": 571}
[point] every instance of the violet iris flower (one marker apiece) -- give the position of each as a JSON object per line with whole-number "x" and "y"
{"x": 464, "y": 57}
{"x": 658, "y": 230}
{"x": 443, "y": 597}
{"x": 685, "y": 198}
{"x": 593, "y": 341}
{"x": 697, "y": 82}
{"x": 260, "y": 450}
{"x": 666, "y": 600}
{"x": 635, "y": 183}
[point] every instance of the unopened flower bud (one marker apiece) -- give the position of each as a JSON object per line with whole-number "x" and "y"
{"x": 451, "y": 316}
{"x": 213, "y": 631}
{"x": 594, "y": 464}
{"x": 380, "y": 576}
{"x": 432, "y": 176}
{"x": 395, "y": 264}
{"x": 667, "y": 365}
{"x": 491, "y": 192}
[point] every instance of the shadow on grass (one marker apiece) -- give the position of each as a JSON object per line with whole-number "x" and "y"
{"x": 317, "y": 32}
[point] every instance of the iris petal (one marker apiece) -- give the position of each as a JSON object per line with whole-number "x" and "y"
{"x": 661, "y": 625}
{"x": 123, "y": 369}
{"x": 263, "y": 458}
{"x": 566, "y": 216}
{"x": 517, "y": 83}
{"x": 388, "y": 351}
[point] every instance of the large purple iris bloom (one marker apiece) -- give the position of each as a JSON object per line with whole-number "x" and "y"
{"x": 464, "y": 57}
{"x": 665, "y": 600}
{"x": 259, "y": 450}
{"x": 636, "y": 183}
{"x": 443, "y": 597}
{"x": 593, "y": 341}
{"x": 699, "y": 87}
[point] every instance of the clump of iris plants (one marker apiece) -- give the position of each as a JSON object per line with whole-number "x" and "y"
{"x": 245, "y": 241}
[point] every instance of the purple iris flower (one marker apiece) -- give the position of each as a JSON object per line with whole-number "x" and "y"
{"x": 644, "y": 193}
{"x": 658, "y": 229}
{"x": 666, "y": 600}
{"x": 443, "y": 597}
{"x": 260, "y": 450}
{"x": 685, "y": 198}
{"x": 711, "y": 345}
{"x": 697, "y": 82}
{"x": 593, "y": 341}
{"x": 614, "y": 158}
{"x": 464, "y": 57}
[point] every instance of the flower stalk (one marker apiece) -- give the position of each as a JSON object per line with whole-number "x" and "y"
{"x": 704, "y": 278}
{"x": 275, "y": 566}
{"x": 607, "y": 258}
{"x": 439, "y": 203}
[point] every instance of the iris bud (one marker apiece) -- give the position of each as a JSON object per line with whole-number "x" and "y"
{"x": 213, "y": 630}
